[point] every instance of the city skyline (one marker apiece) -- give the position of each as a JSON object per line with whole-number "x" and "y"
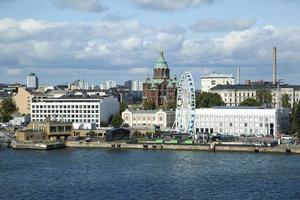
{"x": 62, "y": 41}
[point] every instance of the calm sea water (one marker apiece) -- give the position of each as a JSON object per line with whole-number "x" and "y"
{"x": 136, "y": 174}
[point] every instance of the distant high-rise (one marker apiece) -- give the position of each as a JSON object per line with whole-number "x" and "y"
{"x": 108, "y": 85}
{"x": 134, "y": 85}
{"x": 32, "y": 81}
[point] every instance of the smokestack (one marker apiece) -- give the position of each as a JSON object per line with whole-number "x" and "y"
{"x": 274, "y": 68}
{"x": 238, "y": 75}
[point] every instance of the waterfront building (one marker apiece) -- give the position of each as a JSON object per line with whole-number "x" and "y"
{"x": 161, "y": 90}
{"x": 148, "y": 119}
{"x": 242, "y": 121}
{"x": 47, "y": 130}
{"x": 211, "y": 80}
{"x": 75, "y": 107}
{"x": 233, "y": 95}
{"x": 32, "y": 81}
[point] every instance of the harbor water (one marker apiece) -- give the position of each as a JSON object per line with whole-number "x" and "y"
{"x": 137, "y": 174}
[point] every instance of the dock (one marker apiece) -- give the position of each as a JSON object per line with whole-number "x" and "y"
{"x": 38, "y": 146}
{"x": 187, "y": 147}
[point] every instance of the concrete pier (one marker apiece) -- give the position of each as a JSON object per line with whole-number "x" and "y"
{"x": 187, "y": 147}
{"x": 38, "y": 146}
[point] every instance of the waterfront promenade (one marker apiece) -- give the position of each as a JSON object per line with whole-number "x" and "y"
{"x": 187, "y": 147}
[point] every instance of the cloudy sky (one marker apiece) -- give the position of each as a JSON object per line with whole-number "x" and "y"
{"x": 95, "y": 40}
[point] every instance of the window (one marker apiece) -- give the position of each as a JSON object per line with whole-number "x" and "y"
{"x": 245, "y": 124}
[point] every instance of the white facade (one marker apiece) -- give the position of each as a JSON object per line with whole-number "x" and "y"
{"x": 242, "y": 121}
{"x": 147, "y": 119}
{"x": 32, "y": 81}
{"x": 211, "y": 80}
{"x": 75, "y": 109}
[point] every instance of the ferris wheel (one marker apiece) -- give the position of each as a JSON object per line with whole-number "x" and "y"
{"x": 186, "y": 104}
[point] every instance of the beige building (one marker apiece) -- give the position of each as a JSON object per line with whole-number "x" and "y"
{"x": 24, "y": 98}
{"x": 48, "y": 130}
{"x": 233, "y": 95}
{"x": 30, "y": 135}
{"x": 148, "y": 119}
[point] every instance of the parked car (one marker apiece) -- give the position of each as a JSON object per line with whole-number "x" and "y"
{"x": 286, "y": 137}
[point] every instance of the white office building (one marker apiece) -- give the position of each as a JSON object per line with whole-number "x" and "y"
{"x": 32, "y": 81}
{"x": 211, "y": 80}
{"x": 242, "y": 121}
{"x": 76, "y": 108}
{"x": 148, "y": 119}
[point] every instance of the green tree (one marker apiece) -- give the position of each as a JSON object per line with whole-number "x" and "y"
{"x": 123, "y": 106}
{"x": 7, "y": 108}
{"x": 208, "y": 99}
{"x": 295, "y": 120}
{"x": 264, "y": 96}
{"x": 285, "y": 101}
{"x": 116, "y": 121}
{"x": 149, "y": 105}
{"x": 172, "y": 105}
{"x": 250, "y": 102}
{"x": 103, "y": 124}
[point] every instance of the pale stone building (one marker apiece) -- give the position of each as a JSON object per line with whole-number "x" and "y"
{"x": 233, "y": 95}
{"x": 242, "y": 121}
{"x": 148, "y": 119}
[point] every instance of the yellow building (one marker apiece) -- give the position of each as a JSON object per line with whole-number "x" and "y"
{"x": 24, "y": 98}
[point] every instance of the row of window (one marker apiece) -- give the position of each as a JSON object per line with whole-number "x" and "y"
{"x": 71, "y": 120}
{"x": 144, "y": 118}
{"x": 67, "y": 116}
{"x": 232, "y": 119}
{"x": 65, "y": 106}
{"x": 65, "y": 111}
{"x": 235, "y": 125}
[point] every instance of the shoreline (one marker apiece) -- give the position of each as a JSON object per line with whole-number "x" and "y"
{"x": 187, "y": 147}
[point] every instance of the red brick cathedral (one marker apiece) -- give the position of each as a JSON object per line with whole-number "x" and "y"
{"x": 161, "y": 90}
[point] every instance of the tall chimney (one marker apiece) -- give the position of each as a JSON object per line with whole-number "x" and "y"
{"x": 274, "y": 68}
{"x": 238, "y": 75}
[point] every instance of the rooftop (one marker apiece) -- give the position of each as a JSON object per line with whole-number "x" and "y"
{"x": 253, "y": 87}
{"x": 218, "y": 75}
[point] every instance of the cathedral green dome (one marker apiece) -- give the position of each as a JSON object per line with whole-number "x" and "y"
{"x": 161, "y": 62}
